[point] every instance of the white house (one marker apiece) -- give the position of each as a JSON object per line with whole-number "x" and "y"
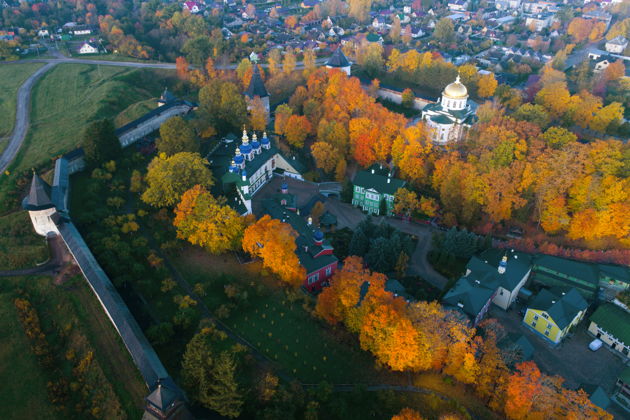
{"x": 617, "y": 45}
{"x": 610, "y": 324}
{"x": 88, "y": 48}
{"x": 458, "y": 5}
{"x": 453, "y": 113}
{"x": 43, "y": 33}
{"x": 539, "y": 22}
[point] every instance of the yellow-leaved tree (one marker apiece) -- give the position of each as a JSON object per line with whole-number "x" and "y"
{"x": 203, "y": 220}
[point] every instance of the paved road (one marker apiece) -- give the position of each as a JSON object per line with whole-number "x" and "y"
{"x": 21, "y": 117}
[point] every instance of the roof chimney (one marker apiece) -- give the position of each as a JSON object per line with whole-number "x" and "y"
{"x": 310, "y": 220}
{"x": 372, "y": 170}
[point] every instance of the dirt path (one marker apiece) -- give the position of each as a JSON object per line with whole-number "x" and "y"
{"x": 52, "y": 266}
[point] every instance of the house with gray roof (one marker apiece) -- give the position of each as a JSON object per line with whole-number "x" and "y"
{"x": 470, "y": 297}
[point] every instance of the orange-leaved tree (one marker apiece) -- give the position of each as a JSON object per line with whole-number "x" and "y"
{"x": 274, "y": 243}
{"x": 344, "y": 291}
{"x": 408, "y": 414}
{"x": 206, "y": 221}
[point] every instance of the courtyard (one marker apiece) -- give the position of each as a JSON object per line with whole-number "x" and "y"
{"x": 599, "y": 368}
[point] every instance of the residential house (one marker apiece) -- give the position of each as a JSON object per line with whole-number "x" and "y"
{"x": 81, "y": 30}
{"x": 622, "y": 389}
{"x": 598, "y": 15}
{"x": 471, "y": 298}
{"x": 553, "y": 312}
{"x": 88, "y": 48}
{"x": 539, "y": 22}
{"x": 314, "y": 252}
{"x": 192, "y": 6}
{"x": 374, "y": 186}
{"x": 617, "y": 45}
{"x": 509, "y": 5}
{"x": 458, "y": 5}
{"x": 43, "y": 33}
{"x": 611, "y": 324}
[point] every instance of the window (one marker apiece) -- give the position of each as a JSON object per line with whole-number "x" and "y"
{"x": 547, "y": 333}
{"x": 357, "y": 188}
{"x": 328, "y": 271}
{"x": 535, "y": 317}
{"x": 545, "y": 316}
{"x": 548, "y": 326}
{"x": 313, "y": 279}
{"x": 534, "y": 324}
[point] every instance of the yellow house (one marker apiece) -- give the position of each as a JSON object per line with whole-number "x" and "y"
{"x": 553, "y": 312}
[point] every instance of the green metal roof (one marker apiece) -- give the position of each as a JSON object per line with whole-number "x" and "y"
{"x": 579, "y": 270}
{"x": 378, "y": 181}
{"x": 441, "y": 119}
{"x": 613, "y": 320}
{"x": 625, "y": 376}
{"x": 616, "y": 272}
{"x": 468, "y": 296}
{"x": 485, "y": 268}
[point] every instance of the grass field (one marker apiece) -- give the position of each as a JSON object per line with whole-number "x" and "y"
{"x": 71, "y": 318}
{"x": 24, "y": 393}
{"x": 20, "y": 246}
{"x": 11, "y": 78}
{"x": 278, "y": 327}
{"x": 72, "y": 95}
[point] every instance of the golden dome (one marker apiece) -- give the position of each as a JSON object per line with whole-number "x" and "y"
{"x": 456, "y": 90}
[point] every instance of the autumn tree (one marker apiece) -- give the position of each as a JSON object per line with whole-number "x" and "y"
{"x": 395, "y": 30}
{"x": 296, "y": 129}
{"x": 274, "y": 243}
{"x": 289, "y": 61}
{"x": 206, "y": 221}
{"x": 486, "y": 85}
{"x": 555, "y": 98}
{"x": 408, "y": 414}
{"x": 558, "y": 137}
{"x": 407, "y": 98}
{"x": 359, "y": 9}
{"x": 340, "y": 170}
{"x": 181, "y": 65}
{"x": 283, "y": 112}
{"x": 444, "y": 31}
{"x": 258, "y": 115}
{"x": 343, "y": 293}
{"x": 222, "y": 105}
{"x": 176, "y": 135}
{"x": 405, "y": 202}
{"x": 169, "y": 177}
{"x": 210, "y": 378}
{"x": 325, "y": 156}
{"x": 309, "y": 62}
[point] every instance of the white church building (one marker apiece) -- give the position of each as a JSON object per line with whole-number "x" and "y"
{"x": 451, "y": 115}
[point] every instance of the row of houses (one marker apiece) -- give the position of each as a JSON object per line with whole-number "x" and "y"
{"x": 566, "y": 289}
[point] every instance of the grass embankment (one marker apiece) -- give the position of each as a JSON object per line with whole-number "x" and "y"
{"x": 63, "y": 102}
{"x": 74, "y": 325}
{"x": 11, "y": 78}
{"x": 20, "y": 246}
{"x": 71, "y": 96}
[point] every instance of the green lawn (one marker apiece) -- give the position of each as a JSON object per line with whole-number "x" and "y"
{"x": 23, "y": 394}
{"x": 20, "y": 246}
{"x": 72, "y": 319}
{"x": 72, "y": 95}
{"x": 11, "y": 78}
{"x": 280, "y": 329}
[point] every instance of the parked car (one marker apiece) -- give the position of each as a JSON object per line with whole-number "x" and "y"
{"x": 595, "y": 344}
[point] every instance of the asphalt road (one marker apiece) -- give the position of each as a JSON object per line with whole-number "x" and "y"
{"x": 22, "y": 115}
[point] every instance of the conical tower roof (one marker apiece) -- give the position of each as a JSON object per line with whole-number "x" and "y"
{"x": 256, "y": 85}
{"x": 38, "y": 197}
{"x": 338, "y": 59}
